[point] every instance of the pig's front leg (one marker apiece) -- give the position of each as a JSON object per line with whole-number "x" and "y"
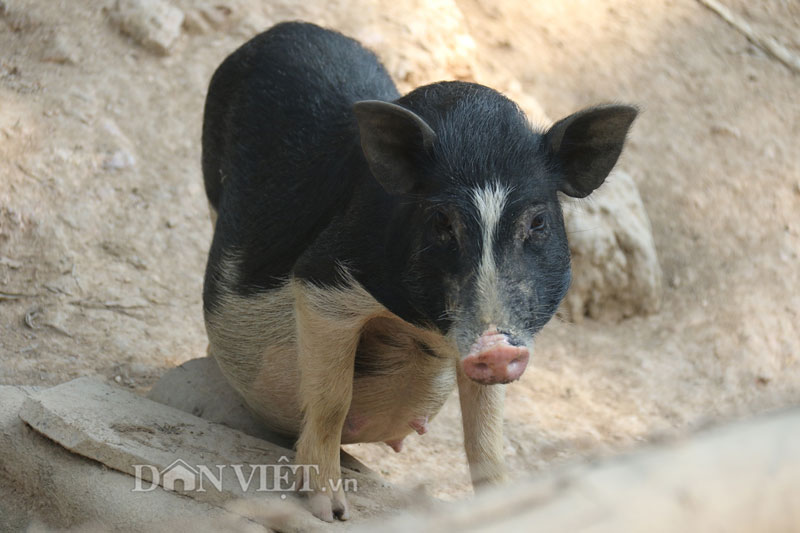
{"x": 482, "y": 417}
{"x": 327, "y": 340}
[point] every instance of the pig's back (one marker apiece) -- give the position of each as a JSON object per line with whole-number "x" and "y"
{"x": 280, "y": 141}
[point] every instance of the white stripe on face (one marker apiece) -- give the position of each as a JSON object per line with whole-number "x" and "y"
{"x": 490, "y": 202}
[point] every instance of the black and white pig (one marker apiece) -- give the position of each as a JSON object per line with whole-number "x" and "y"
{"x": 371, "y": 251}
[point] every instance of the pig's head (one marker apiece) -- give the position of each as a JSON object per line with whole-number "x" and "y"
{"x": 477, "y": 236}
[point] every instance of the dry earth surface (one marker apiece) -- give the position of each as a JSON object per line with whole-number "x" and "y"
{"x": 104, "y": 225}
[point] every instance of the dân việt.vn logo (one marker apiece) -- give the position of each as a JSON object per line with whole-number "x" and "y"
{"x": 180, "y": 476}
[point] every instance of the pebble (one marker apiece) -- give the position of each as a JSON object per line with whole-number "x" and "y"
{"x": 119, "y": 160}
{"x": 155, "y": 24}
{"x": 207, "y": 17}
{"x": 59, "y": 49}
{"x": 726, "y": 129}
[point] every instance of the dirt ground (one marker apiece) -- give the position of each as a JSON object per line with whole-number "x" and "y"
{"x": 104, "y": 226}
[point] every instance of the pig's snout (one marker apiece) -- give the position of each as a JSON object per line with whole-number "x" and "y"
{"x": 495, "y": 358}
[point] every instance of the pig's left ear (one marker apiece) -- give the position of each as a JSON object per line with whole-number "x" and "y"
{"x": 392, "y": 138}
{"x": 587, "y": 145}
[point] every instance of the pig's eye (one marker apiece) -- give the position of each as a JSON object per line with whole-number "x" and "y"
{"x": 443, "y": 227}
{"x": 539, "y": 223}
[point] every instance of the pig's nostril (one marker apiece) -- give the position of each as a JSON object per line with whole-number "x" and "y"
{"x": 482, "y": 366}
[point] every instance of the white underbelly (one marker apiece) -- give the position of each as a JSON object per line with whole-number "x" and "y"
{"x": 383, "y": 407}
{"x": 405, "y": 373}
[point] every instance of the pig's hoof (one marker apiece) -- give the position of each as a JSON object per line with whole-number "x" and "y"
{"x": 339, "y": 504}
{"x": 326, "y": 506}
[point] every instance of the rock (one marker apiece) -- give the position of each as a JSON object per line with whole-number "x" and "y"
{"x": 118, "y": 160}
{"x": 121, "y": 430}
{"x": 60, "y": 49}
{"x": 615, "y": 269}
{"x": 155, "y": 24}
{"x": 202, "y": 17}
{"x": 726, "y": 129}
{"x": 115, "y": 150}
{"x": 198, "y": 387}
{"x": 66, "y": 490}
{"x": 193, "y": 22}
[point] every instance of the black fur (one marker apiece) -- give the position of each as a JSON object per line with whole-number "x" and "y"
{"x": 285, "y": 166}
{"x": 278, "y": 118}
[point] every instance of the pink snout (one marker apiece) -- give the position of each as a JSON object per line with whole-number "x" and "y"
{"x": 492, "y": 359}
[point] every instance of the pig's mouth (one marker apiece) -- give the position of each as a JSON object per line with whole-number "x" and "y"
{"x": 496, "y": 357}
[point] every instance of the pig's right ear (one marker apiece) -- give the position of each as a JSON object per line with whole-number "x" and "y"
{"x": 392, "y": 138}
{"x": 587, "y": 145}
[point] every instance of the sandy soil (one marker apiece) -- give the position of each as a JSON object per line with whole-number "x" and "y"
{"x": 104, "y": 227}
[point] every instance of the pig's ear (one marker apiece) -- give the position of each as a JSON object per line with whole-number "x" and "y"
{"x": 392, "y": 138}
{"x": 587, "y": 145}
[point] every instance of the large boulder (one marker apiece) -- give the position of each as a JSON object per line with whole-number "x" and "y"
{"x": 156, "y": 451}
{"x": 615, "y": 269}
{"x": 198, "y": 387}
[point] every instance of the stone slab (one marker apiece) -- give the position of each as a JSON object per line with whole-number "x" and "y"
{"x": 43, "y": 482}
{"x": 198, "y": 387}
{"x": 121, "y": 430}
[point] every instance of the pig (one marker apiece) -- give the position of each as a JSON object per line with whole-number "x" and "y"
{"x": 372, "y": 251}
